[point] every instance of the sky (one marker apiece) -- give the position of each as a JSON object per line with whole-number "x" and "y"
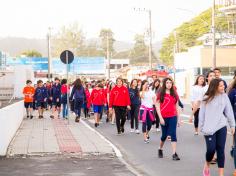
{"x": 32, "y": 18}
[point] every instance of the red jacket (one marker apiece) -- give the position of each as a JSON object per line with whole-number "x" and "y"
{"x": 119, "y": 96}
{"x": 64, "y": 89}
{"x": 98, "y": 97}
{"x": 87, "y": 93}
{"x": 106, "y": 93}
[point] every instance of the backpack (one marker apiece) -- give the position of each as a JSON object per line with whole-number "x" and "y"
{"x": 79, "y": 94}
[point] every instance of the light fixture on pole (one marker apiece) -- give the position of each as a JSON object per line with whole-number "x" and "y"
{"x": 150, "y": 33}
{"x": 213, "y": 36}
{"x": 49, "y": 53}
{"x": 108, "y": 58}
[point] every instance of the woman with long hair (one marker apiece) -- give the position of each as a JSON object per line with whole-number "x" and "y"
{"x": 215, "y": 111}
{"x": 120, "y": 101}
{"x": 209, "y": 77}
{"x": 232, "y": 98}
{"x": 148, "y": 98}
{"x": 196, "y": 98}
{"x": 167, "y": 109}
{"x": 135, "y": 104}
{"x": 156, "y": 88}
{"x": 79, "y": 96}
{"x": 112, "y": 115}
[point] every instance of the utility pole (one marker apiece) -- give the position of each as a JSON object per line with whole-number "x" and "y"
{"x": 150, "y": 33}
{"x": 213, "y": 36}
{"x": 150, "y": 39}
{"x": 108, "y": 58}
{"x": 49, "y": 53}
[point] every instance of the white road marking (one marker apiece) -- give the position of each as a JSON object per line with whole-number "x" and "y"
{"x": 116, "y": 150}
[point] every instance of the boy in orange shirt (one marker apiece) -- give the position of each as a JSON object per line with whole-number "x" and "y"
{"x": 28, "y": 92}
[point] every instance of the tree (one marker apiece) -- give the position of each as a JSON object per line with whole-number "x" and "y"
{"x": 166, "y": 52}
{"x": 107, "y": 34}
{"x": 92, "y": 50}
{"x": 140, "y": 48}
{"x": 71, "y": 37}
{"x": 32, "y": 53}
{"x": 188, "y": 33}
{"x": 139, "y": 53}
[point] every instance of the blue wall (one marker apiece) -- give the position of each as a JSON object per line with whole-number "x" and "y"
{"x": 80, "y": 65}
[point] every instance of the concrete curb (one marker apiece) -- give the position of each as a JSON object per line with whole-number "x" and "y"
{"x": 116, "y": 150}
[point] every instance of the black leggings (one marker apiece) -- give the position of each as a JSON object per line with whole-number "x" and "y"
{"x": 216, "y": 143}
{"x": 157, "y": 120}
{"x": 86, "y": 110}
{"x": 120, "y": 112}
{"x": 196, "y": 119}
{"x": 134, "y": 112}
{"x": 234, "y": 150}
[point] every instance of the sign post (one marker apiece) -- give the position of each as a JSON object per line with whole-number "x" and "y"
{"x": 67, "y": 58}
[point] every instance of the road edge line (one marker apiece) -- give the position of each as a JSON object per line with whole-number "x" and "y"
{"x": 116, "y": 150}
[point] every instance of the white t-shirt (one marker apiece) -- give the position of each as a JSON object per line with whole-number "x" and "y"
{"x": 204, "y": 90}
{"x": 147, "y": 100}
{"x": 196, "y": 93}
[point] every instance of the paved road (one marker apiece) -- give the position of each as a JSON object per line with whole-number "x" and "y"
{"x": 63, "y": 166}
{"x": 144, "y": 158}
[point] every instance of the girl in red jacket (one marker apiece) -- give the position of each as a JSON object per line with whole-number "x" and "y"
{"x": 120, "y": 101}
{"x": 87, "y": 103}
{"x": 98, "y": 99}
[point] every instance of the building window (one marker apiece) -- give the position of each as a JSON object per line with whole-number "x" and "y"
{"x": 231, "y": 70}
{"x": 205, "y": 70}
{"x": 125, "y": 65}
{"x": 112, "y": 66}
{"x": 118, "y": 66}
{"x": 197, "y": 71}
{"x": 224, "y": 71}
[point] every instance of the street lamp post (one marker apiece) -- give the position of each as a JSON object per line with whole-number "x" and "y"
{"x": 213, "y": 31}
{"x": 108, "y": 58}
{"x": 150, "y": 34}
{"x": 150, "y": 39}
{"x": 49, "y": 53}
{"x": 213, "y": 36}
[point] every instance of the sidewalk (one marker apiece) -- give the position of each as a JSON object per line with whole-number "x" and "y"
{"x": 52, "y": 147}
{"x": 56, "y": 136}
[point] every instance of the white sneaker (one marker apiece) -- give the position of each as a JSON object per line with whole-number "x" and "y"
{"x": 132, "y": 131}
{"x": 158, "y": 130}
{"x": 137, "y": 131}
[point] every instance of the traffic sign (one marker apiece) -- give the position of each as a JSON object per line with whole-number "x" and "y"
{"x": 67, "y": 54}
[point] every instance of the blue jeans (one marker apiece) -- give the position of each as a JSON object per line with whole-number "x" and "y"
{"x": 169, "y": 129}
{"x": 65, "y": 111}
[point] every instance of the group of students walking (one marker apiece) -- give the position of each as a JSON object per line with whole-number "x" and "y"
{"x": 155, "y": 103}
{"x": 213, "y": 109}
{"x": 41, "y": 97}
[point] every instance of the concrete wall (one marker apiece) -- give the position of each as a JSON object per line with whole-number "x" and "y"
{"x": 184, "y": 81}
{"x": 188, "y": 60}
{"x": 10, "y": 120}
{"x": 21, "y": 74}
{"x": 224, "y": 57}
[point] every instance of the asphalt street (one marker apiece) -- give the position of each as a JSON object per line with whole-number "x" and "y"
{"x": 143, "y": 157}
{"x": 63, "y": 166}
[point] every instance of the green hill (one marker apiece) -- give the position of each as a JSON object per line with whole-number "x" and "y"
{"x": 188, "y": 33}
